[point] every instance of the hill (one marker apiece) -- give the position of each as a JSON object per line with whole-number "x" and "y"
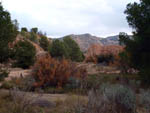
{"x": 86, "y": 40}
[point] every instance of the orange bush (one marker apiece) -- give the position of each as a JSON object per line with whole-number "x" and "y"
{"x": 48, "y": 71}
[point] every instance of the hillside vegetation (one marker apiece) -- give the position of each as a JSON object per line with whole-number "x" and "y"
{"x": 76, "y": 73}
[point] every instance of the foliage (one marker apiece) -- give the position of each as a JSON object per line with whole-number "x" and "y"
{"x": 3, "y": 73}
{"x": 34, "y": 30}
{"x": 33, "y": 37}
{"x": 48, "y": 71}
{"x": 73, "y": 83}
{"x": 145, "y": 99}
{"x": 106, "y": 59}
{"x": 138, "y": 45}
{"x": 73, "y": 49}
{"x": 44, "y": 43}
{"x": 24, "y": 54}
{"x": 24, "y": 29}
{"x": 112, "y": 99}
{"x": 8, "y": 32}
{"x": 58, "y": 49}
{"x": 124, "y": 63}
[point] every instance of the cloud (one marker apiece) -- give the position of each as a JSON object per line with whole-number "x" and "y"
{"x": 63, "y": 17}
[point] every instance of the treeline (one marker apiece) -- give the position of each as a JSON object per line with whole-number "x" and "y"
{"x": 23, "y": 52}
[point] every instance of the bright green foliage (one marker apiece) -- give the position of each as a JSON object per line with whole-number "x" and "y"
{"x": 73, "y": 49}
{"x": 24, "y": 54}
{"x": 138, "y": 47}
{"x": 58, "y": 49}
{"x": 44, "y": 43}
{"x": 8, "y": 32}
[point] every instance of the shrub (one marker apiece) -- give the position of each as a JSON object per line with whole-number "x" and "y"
{"x": 33, "y": 37}
{"x": 112, "y": 99}
{"x": 48, "y": 71}
{"x": 34, "y": 30}
{"x": 24, "y": 29}
{"x": 24, "y": 54}
{"x": 3, "y": 73}
{"x": 123, "y": 97}
{"x": 73, "y": 83}
{"x": 44, "y": 43}
{"x": 107, "y": 59}
{"x": 144, "y": 100}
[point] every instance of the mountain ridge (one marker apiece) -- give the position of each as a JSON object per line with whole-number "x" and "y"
{"x": 86, "y": 40}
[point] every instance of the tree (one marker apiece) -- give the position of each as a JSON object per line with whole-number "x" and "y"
{"x": 73, "y": 49}
{"x": 34, "y": 30}
{"x": 44, "y": 43}
{"x": 58, "y": 49}
{"x": 138, "y": 46}
{"x": 8, "y": 32}
{"x": 24, "y": 29}
{"x": 33, "y": 37}
{"x": 24, "y": 53}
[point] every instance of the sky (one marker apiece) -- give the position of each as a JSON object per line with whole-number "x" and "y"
{"x": 63, "y": 17}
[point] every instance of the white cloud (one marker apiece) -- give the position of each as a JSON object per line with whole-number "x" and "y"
{"x": 62, "y": 17}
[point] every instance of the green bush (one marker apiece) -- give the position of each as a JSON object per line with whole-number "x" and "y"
{"x": 34, "y": 30}
{"x": 33, "y": 37}
{"x": 24, "y": 29}
{"x": 24, "y": 54}
{"x": 44, "y": 43}
{"x": 3, "y": 74}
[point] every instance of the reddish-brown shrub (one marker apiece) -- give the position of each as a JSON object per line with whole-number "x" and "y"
{"x": 48, "y": 71}
{"x": 96, "y": 51}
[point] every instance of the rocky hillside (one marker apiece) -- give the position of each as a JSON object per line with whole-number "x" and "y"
{"x": 111, "y": 40}
{"x": 86, "y": 40}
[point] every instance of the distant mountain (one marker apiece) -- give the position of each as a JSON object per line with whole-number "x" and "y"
{"x": 111, "y": 40}
{"x": 86, "y": 40}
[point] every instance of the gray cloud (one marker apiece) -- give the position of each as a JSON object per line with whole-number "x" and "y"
{"x": 63, "y": 17}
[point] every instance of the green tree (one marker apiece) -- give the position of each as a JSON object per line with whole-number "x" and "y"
{"x": 44, "y": 43}
{"x": 8, "y": 32}
{"x": 58, "y": 49}
{"x": 24, "y": 54}
{"x": 34, "y": 30}
{"x": 138, "y": 46}
{"x": 73, "y": 49}
{"x": 24, "y": 29}
{"x": 33, "y": 37}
